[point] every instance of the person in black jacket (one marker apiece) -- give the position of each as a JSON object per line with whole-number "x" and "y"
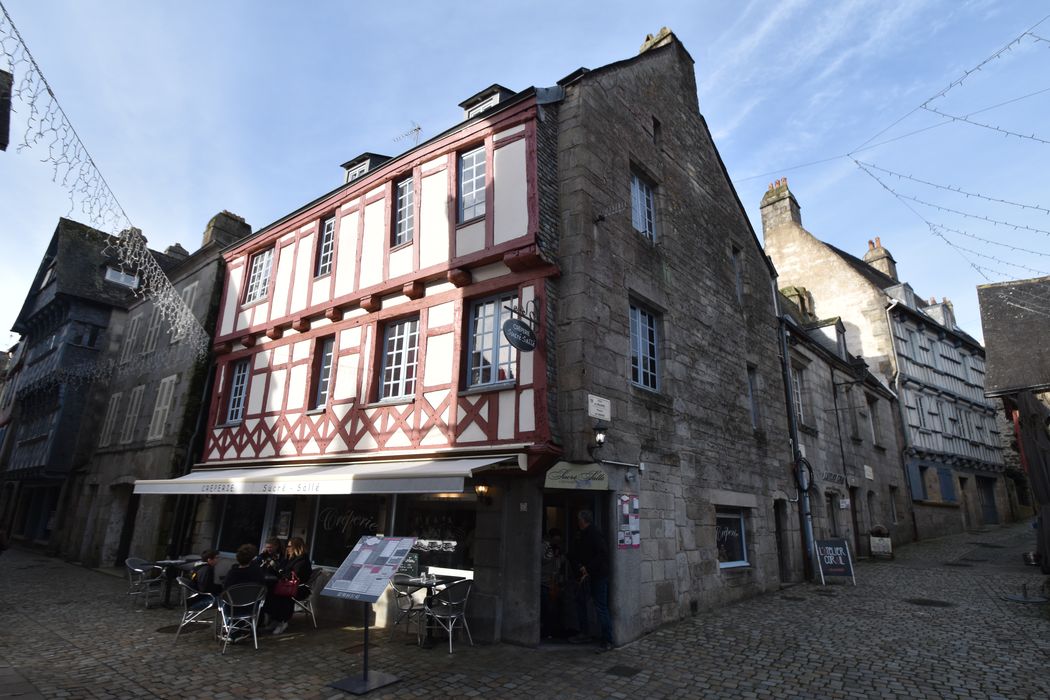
{"x": 592, "y": 565}
{"x": 245, "y": 570}
{"x": 203, "y": 576}
{"x": 280, "y": 608}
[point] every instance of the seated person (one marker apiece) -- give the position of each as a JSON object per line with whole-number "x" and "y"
{"x": 203, "y": 576}
{"x": 270, "y": 559}
{"x": 280, "y": 608}
{"x": 245, "y": 570}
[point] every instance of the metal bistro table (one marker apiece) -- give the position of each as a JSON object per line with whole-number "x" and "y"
{"x": 172, "y": 568}
{"x": 432, "y": 584}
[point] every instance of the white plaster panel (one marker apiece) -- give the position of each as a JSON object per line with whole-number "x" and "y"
{"x": 256, "y": 395}
{"x": 243, "y": 319}
{"x": 527, "y": 410}
{"x": 283, "y": 281}
{"x": 233, "y": 295}
{"x": 320, "y": 291}
{"x": 287, "y": 448}
{"x": 372, "y": 248}
{"x": 511, "y": 196}
{"x": 304, "y": 263}
{"x": 375, "y": 192}
{"x": 351, "y": 204}
{"x": 507, "y": 406}
{"x": 261, "y": 313}
{"x": 441, "y": 314}
{"x": 525, "y": 367}
{"x": 470, "y": 239}
{"x": 301, "y": 350}
{"x": 488, "y": 272}
{"x": 346, "y": 254}
{"x": 286, "y": 237}
{"x": 435, "y": 436}
{"x": 267, "y": 450}
{"x": 438, "y": 369}
{"x": 436, "y": 163}
{"x": 433, "y": 220}
{"x": 297, "y": 387}
{"x": 350, "y": 338}
{"x": 392, "y": 301}
{"x": 509, "y": 132}
{"x": 398, "y": 439}
{"x": 311, "y": 448}
{"x": 355, "y": 313}
{"x": 345, "y": 378}
{"x": 367, "y": 442}
{"x": 473, "y": 434}
{"x": 320, "y": 322}
{"x": 262, "y": 359}
{"x": 275, "y": 396}
{"x": 439, "y": 288}
{"x": 280, "y": 354}
{"x": 336, "y": 444}
{"x": 400, "y": 262}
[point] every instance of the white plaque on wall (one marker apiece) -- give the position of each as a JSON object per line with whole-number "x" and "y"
{"x": 599, "y": 408}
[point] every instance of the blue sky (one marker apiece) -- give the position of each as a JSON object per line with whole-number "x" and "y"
{"x": 190, "y": 108}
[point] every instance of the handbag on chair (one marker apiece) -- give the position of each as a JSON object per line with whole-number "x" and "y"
{"x": 287, "y": 587}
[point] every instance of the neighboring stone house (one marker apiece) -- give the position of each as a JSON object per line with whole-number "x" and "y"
{"x": 953, "y": 455}
{"x": 1015, "y": 316}
{"x": 150, "y": 408}
{"x": 848, "y": 422}
{"x": 70, "y": 317}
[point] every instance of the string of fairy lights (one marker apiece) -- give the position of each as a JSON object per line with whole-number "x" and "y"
{"x": 48, "y": 132}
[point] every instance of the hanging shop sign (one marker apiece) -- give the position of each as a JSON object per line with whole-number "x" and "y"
{"x": 589, "y": 477}
{"x": 521, "y": 332}
{"x": 834, "y": 559}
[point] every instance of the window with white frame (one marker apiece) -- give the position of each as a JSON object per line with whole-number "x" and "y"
{"x": 325, "y": 247}
{"x": 127, "y": 432}
{"x": 129, "y": 339}
{"x": 873, "y": 420}
{"x": 731, "y": 537}
{"x": 798, "y": 386}
{"x": 149, "y": 343}
{"x": 472, "y": 184}
{"x": 161, "y": 408}
{"x": 400, "y": 355}
{"x": 920, "y": 406}
{"x": 110, "y": 421}
{"x": 404, "y": 212}
{"x": 491, "y": 358}
{"x": 644, "y": 348}
{"x": 238, "y": 389}
{"x": 259, "y": 276}
{"x": 323, "y": 371}
{"x": 752, "y": 394}
{"x": 122, "y": 278}
{"x": 189, "y": 295}
{"x": 643, "y": 209}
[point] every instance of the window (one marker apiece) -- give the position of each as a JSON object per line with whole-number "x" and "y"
{"x": 947, "y": 482}
{"x": 730, "y": 537}
{"x": 893, "y": 504}
{"x": 325, "y": 246}
{"x": 357, "y": 171}
{"x": 189, "y": 295}
{"x": 920, "y": 406}
{"x": 752, "y": 394}
{"x": 149, "y": 343}
{"x": 642, "y": 206}
{"x": 492, "y": 359}
{"x": 644, "y": 364}
{"x": 404, "y": 216}
{"x": 161, "y": 408}
{"x": 472, "y": 184}
{"x": 238, "y": 388}
{"x": 122, "y": 278}
{"x": 129, "y": 339}
{"x": 110, "y": 421}
{"x": 259, "y": 277}
{"x": 482, "y": 106}
{"x": 738, "y": 274}
{"x": 323, "y": 371}
{"x": 127, "y": 432}
{"x": 873, "y": 419}
{"x": 797, "y": 386}
{"x": 242, "y": 518}
{"x": 400, "y": 351}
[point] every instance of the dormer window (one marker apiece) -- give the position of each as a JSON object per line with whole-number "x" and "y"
{"x": 484, "y": 100}
{"x": 356, "y": 171}
{"x": 477, "y": 109}
{"x": 122, "y": 278}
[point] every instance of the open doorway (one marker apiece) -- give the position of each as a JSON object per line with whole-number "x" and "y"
{"x": 559, "y": 589}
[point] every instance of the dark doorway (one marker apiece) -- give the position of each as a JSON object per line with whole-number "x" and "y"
{"x": 128, "y": 530}
{"x": 854, "y": 495}
{"x": 780, "y": 532}
{"x": 986, "y": 492}
{"x": 831, "y": 503}
{"x": 559, "y": 611}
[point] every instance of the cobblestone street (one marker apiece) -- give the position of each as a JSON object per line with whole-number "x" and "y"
{"x": 930, "y": 624}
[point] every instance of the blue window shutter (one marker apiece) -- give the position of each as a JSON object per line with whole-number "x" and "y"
{"x": 918, "y": 488}
{"x": 947, "y": 484}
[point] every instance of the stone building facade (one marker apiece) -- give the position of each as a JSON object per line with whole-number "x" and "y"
{"x": 952, "y": 450}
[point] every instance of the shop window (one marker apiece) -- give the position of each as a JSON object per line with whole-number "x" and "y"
{"x": 444, "y": 527}
{"x": 242, "y": 518}
{"x": 341, "y": 522}
{"x": 731, "y": 537}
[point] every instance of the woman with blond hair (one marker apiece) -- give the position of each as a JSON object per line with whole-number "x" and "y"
{"x": 297, "y": 567}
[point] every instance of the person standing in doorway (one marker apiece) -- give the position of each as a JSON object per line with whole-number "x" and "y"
{"x": 592, "y": 566}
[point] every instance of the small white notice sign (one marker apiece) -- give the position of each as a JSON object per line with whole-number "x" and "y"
{"x": 599, "y": 408}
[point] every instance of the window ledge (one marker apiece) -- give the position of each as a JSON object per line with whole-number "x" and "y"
{"x": 808, "y": 429}
{"x": 485, "y": 388}
{"x": 468, "y": 222}
{"x": 322, "y": 275}
{"x": 392, "y": 401}
{"x": 229, "y": 424}
{"x": 734, "y": 567}
{"x": 316, "y": 411}
{"x": 402, "y": 246}
{"x": 879, "y": 447}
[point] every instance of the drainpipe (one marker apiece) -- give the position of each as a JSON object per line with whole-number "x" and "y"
{"x": 903, "y": 421}
{"x": 802, "y": 476}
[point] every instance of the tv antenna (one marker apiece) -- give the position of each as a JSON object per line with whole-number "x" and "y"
{"x": 413, "y": 132}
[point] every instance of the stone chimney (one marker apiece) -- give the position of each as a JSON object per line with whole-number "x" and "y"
{"x": 654, "y": 41}
{"x": 779, "y": 207}
{"x": 880, "y": 259}
{"x": 177, "y": 251}
{"x": 225, "y": 228}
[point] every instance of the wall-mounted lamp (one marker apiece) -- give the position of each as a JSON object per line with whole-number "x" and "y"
{"x": 482, "y": 490}
{"x": 601, "y": 429}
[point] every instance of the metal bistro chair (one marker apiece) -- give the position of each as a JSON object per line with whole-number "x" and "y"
{"x": 195, "y": 605}
{"x": 145, "y": 579}
{"x": 448, "y": 607}
{"x": 239, "y": 609}
{"x": 306, "y": 605}
{"x": 409, "y": 607}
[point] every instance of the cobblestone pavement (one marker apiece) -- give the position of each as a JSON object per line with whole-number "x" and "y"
{"x": 930, "y": 624}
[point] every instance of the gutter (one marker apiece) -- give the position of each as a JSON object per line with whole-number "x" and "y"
{"x": 906, "y": 449}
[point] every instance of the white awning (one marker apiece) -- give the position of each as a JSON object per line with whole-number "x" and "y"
{"x": 410, "y": 476}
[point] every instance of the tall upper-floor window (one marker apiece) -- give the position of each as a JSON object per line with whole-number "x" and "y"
{"x": 644, "y": 348}
{"x": 325, "y": 247}
{"x": 491, "y": 358}
{"x": 643, "y": 214}
{"x": 404, "y": 215}
{"x": 472, "y": 184}
{"x": 129, "y": 339}
{"x": 400, "y": 355}
{"x": 110, "y": 421}
{"x": 127, "y": 432}
{"x": 752, "y": 394}
{"x": 798, "y": 385}
{"x": 873, "y": 420}
{"x": 259, "y": 276}
{"x": 323, "y": 371}
{"x": 189, "y": 296}
{"x": 161, "y": 408}
{"x": 238, "y": 390}
{"x": 149, "y": 343}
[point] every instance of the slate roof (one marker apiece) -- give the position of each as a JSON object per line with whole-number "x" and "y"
{"x": 1015, "y": 316}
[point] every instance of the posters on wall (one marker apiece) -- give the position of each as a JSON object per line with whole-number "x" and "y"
{"x": 629, "y": 531}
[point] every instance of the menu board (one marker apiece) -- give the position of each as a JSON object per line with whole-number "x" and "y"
{"x": 834, "y": 559}
{"x": 364, "y": 573}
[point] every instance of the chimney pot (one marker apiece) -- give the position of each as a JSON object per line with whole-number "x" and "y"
{"x": 878, "y": 242}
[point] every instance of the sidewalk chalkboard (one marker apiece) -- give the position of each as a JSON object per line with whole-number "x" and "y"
{"x": 363, "y": 575}
{"x": 834, "y": 559}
